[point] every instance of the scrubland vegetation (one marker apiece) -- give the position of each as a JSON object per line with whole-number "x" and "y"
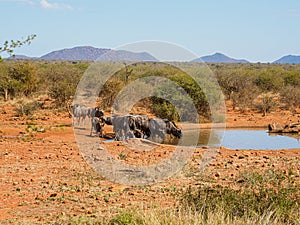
{"x": 262, "y": 87}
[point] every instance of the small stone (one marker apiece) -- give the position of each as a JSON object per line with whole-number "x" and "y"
{"x": 53, "y": 195}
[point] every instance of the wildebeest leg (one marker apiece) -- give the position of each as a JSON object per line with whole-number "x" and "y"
{"x": 78, "y": 120}
{"x": 99, "y": 129}
{"x": 137, "y": 133}
{"x": 92, "y": 126}
{"x": 119, "y": 135}
{"x": 94, "y": 121}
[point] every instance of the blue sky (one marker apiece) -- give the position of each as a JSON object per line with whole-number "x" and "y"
{"x": 257, "y": 30}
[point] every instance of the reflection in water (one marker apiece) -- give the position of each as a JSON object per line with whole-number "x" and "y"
{"x": 239, "y": 139}
{"x": 201, "y": 137}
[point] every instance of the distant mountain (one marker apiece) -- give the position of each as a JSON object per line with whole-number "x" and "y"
{"x": 20, "y": 57}
{"x": 288, "y": 59}
{"x": 76, "y": 53}
{"x": 120, "y": 55}
{"x": 90, "y": 53}
{"x": 219, "y": 58}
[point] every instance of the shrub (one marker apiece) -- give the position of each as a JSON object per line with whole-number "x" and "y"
{"x": 62, "y": 83}
{"x": 266, "y": 102}
{"x": 25, "y": 75}
{"x": 26, "y": 108}
{"x": 291, "y": 97}
{"x": 125, "y": 218}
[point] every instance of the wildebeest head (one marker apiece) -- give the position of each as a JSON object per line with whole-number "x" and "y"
{"x": 108, "y": 120}
{"x": 173, "y": 129}
{"x": 97, "y": 112}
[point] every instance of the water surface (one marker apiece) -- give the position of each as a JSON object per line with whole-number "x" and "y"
{"x": 258, "y": 139}
{"x": 240, "y": 139}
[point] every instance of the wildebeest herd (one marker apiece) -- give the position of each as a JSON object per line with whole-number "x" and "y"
{"x": 125, "y": 126}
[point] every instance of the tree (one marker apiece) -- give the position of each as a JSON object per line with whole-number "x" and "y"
{"x": 238, "y": 87}
{"x": 267, "y": 101}
{"x": 18, "y": 79}
{"x": 270, "y": 80}
{"x": 27, "y": 75}
{"x": 6, "y": 84}
{"x": 292, "y": 78}
{"x": 62, "y": 81}
{"x": 9, "y": 47}
{"x": 291, "y": 97}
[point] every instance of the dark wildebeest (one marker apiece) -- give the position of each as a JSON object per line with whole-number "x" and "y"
{"x": 157, "y": 128}
{"x": 172, "y": 129}
{"x": 128, "y": 126}
{"x": 160, "y": 127}
{"x": 121, "y": 127}
{"x": 97, "y": 121}
{"x": 98, "y": 125}
{"x": 141, "y": 125}
{"x": 108, "y": 119}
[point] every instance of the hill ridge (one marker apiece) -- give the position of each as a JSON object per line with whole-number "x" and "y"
{"x": 219, "y": 58}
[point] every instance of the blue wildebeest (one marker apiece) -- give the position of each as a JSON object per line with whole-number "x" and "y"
{"x": 122, "y": 127}
{"x": 172, "y": 129}
{"x": 80, "y": 112}
{"x": 140, "y": 126}
{"x": 97, "y": 121}
{"x": 130, "y": 126}
{"x": 160, "y": 127}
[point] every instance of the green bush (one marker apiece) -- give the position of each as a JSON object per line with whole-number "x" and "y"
{"x": 125, "y": 218}
{"x": 63, "y": 80}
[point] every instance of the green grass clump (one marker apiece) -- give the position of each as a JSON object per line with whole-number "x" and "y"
{"x": 125, "y": 218}
{"x": 272, "y": 193}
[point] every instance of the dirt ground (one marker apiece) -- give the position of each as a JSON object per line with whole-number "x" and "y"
{"x": 43, "y": 176}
